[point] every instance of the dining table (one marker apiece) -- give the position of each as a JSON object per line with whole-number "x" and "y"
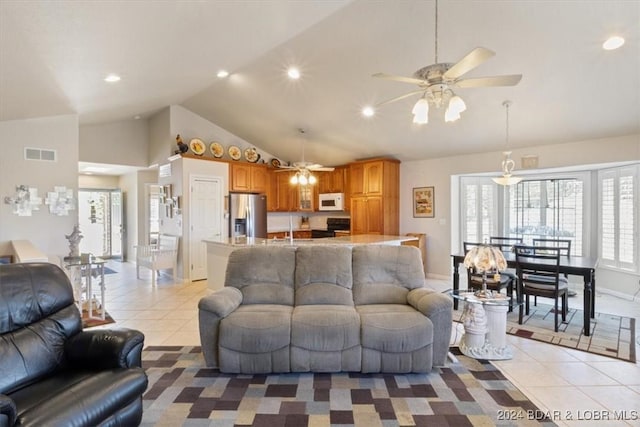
{"x": 571, "y": 265}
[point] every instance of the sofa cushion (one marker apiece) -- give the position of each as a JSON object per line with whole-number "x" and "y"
{"x": 257, "y": 328}
{"x": 323, "y": 275}
{"x": 325, "y": 327}
{"x": 325, "y": 338}
{"x": 384, "y": 274}
{"x": 255, "y": 339}
{"x": 394, "y": 328}
{"x": 264, "y": 275}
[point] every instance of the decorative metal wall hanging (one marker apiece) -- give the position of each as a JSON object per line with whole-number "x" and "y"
{"x": 24, "y": 201}
{"x": 60, "y": 201}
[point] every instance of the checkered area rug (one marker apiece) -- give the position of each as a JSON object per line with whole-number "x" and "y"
{"x": 183, "y": 392}
{"x": 611, "y": 335}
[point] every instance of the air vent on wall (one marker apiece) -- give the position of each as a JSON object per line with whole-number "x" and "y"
{"x": 40, "y": 154}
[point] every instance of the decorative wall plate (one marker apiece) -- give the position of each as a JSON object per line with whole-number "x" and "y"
{"x": 251, "y": 155}
{"x": 234, "y": 152}
{"x": 197, "y": 146}
{"x": 275, "y": 163}
{"x": 216, "y": 149}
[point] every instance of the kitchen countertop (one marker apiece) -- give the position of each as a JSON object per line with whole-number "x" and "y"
{"x": 358, "y": 239}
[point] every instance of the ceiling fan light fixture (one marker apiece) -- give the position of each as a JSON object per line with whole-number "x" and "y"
{"x": 294, "y": 179}
{"x": 421, "y": 111}
{"x": 312, "y": 179}
{"x": 302, "y": 180}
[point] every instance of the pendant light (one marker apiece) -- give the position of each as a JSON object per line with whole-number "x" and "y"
{"x": 508, "y": 164}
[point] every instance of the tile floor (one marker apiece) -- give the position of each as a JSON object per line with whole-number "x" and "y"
{"x": 574, "y": 387}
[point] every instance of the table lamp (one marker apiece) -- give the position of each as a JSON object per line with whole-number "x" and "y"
{"x": 485, "y": 259}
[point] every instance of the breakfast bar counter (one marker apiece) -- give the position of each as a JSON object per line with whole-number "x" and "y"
{"x": 218, "y": 250}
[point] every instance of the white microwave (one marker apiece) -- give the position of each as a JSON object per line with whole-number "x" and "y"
{"x": 331, "y": 202}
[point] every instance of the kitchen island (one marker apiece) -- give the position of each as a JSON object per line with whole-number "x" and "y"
{"x": 218, "y": 250}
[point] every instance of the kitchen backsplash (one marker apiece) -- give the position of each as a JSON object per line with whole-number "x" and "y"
{"x": 280, "y": 221}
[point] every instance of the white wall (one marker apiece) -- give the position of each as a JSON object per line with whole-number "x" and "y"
{"x": 118, "y": 143}
{"x": 46, "y": 231}
{"x": 438, "y": 173}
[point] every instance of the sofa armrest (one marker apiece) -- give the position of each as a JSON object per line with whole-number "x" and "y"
{"x": 8, "y": 411}
{"x": 212, "y": 309}
{"x": 438, "y": 307}
{"x": 222, "y": 302}
{"x": 105, "y": 349}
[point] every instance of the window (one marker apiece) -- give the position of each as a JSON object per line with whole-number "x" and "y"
{"x": 548, "y": 208}
{"x": 544, "y": 207}
{"x": 618, "y": 218}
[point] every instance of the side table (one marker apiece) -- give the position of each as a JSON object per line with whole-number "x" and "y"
{"x": 83, "y": 266}
{"x": 485, "y": 325}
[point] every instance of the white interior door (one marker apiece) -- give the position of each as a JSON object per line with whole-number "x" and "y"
{"x": 206, "y": 216}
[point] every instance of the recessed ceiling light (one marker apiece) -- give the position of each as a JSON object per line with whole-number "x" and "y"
{"x": 368, "y": 111}
{"x": 222, "y": 74}
{"x": 112, "y": 78}
{"x": 612, "y": 43}
{"x": 293, "y": 73}
{"x": 137, "y": 117}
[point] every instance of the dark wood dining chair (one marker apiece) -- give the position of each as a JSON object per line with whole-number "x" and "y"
{"x": 565, "y": 250}
{"x": 538, "y": 269}
{"x": 563, "y": 244}
{"x": 474, "y": 278}
{"x": 506, "y": 245}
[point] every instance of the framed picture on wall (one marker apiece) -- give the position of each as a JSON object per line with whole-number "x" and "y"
{"x": 424, "y": 202}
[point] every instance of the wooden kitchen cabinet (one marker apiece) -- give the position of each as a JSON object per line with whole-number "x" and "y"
{"x": 334, "y": 181}
{"x": 302, "y": 234}
{"x": 248, "y": 177}
{"x": 282, "y": 196}
{"x": 375, "y": 197}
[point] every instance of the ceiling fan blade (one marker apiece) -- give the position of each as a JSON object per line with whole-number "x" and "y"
{"x": 510, "y": 80}
{"x": 474, "y": 58}
{"x": 321, "y": 169}
{"x": 398, "y": 98}
{"x": 400, "y": 79}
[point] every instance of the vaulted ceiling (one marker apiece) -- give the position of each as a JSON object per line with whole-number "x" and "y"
{"x": 54, "y": 56}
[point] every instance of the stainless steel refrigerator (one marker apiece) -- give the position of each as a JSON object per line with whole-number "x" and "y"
{"x": 247, "y": 215}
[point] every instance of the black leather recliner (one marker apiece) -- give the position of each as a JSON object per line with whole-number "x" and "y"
{"x": 52, "y": 373}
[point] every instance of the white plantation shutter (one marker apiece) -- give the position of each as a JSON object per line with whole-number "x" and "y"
{"x": 618, "y": 225}
{"x": 480, "y": 209}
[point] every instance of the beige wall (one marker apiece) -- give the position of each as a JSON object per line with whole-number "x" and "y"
{"x": 45, "y": 230}
{"x": 441, "y": 230}
{"x": 101, "y": 182}
{"x": 118, "y": 143}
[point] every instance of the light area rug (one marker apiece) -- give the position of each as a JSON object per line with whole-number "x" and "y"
{"x": 610, "y": 335}
{"x": 466, "y": 392}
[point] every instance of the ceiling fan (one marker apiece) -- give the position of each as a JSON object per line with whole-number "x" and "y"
{"x": 436, "y": 81}
{"x": 303, "y": 169}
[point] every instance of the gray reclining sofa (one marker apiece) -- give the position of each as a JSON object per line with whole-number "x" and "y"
{"x": 325, "y": 308}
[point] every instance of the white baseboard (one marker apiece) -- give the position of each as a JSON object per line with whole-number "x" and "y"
{"x": 617, "y": 294}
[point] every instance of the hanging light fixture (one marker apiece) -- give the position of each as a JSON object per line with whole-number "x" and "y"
{"x": 508, "y": 164}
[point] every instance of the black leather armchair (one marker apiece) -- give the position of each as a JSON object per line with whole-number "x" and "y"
{"x": 52, "y": 373}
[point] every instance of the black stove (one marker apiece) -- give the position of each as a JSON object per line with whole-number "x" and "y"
{"x": 333, "y": 224}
